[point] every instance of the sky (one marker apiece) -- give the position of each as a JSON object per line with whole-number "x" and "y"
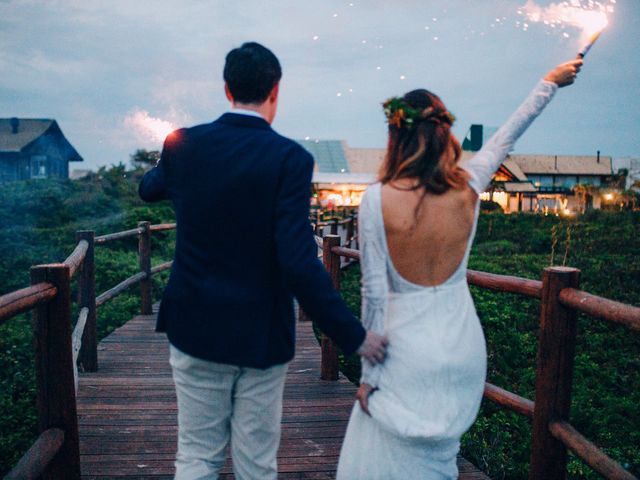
{"x": 105, "y": 70}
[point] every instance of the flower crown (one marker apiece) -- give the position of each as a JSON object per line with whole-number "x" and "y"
{"x": 399, "y": 114}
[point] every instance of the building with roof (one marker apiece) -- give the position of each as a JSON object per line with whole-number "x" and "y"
{"x": 524, "y": 182}
{"x": 34, "y": 148}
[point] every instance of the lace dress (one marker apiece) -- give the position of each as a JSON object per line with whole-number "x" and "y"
{"x": 431, "y": 384}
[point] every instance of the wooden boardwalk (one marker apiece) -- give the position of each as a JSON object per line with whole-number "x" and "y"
{"x": 127, "y": 411}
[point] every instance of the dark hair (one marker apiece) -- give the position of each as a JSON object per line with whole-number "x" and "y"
{"x": 425, "y": 149}
{"x": 251, "y": 71}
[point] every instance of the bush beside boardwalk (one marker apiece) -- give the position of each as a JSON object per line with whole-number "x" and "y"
{"x": 606, "y": 393}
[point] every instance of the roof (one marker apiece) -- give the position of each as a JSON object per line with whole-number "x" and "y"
{"x": 365, "y": 160}
{"x": 344, "y": 178}
{"x": 515, "y": 187}
{"x": 29, "y": 129}
{"x": 328, "y": 154}
{"x": 563, "y": 164}
{"x": 515, "y": 169}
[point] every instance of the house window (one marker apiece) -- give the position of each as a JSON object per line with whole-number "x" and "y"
{"x": 39, "y": 166}
{"x": 590, "y": 180}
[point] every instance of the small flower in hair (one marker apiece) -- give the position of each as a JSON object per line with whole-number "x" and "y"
{"x": 399, "y": 114}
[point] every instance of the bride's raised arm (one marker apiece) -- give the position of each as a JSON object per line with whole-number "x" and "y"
{"x": 486, "y": 162}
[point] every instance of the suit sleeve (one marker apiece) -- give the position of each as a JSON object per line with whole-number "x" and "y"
{"x": 297, "y": 257}
{"x": 153, "y": 186}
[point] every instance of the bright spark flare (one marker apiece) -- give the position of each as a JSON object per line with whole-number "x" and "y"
{"x": 590, "y": 17}
{"x": 147, "y": 126}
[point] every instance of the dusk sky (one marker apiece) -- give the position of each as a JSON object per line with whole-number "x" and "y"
{"x": 104, "y": 69}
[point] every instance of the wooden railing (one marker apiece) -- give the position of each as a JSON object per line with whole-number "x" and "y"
{"x": 56, "y": 454}
{"x": 560, "y": 301}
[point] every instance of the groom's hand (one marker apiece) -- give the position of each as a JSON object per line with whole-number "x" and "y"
{"x": 374, "y": 348}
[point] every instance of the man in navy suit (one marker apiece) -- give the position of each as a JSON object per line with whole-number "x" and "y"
{"x": 244, "y": 249}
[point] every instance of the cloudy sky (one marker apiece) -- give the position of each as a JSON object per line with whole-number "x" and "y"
{"x": 106, "y": 69}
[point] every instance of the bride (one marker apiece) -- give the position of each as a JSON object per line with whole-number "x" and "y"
{"x": 416, "y": 229}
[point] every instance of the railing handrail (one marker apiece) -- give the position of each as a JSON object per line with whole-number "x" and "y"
{"x": 560, "y": 293}
{"x": 44, "y": 292}
{"x": 25, "y": 299}
{"x": 601, "y": 307}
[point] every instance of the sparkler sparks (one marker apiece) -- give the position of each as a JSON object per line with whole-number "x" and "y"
{"x": 590, "y": 17}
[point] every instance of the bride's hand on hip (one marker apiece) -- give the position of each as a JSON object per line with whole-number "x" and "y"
{"x": 362, "y": 395}
{"x": 374, "y": 348}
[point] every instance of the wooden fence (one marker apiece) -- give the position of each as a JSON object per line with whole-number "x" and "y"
{"x": 59, "y": 349}
{"x": 55, "y": 453}
{"x": 560, "y": 302}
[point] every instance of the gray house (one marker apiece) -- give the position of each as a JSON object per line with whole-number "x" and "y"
{"x": 34, "y": 148}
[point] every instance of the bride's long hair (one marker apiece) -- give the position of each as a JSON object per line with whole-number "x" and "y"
{"x": 421, "y": 145}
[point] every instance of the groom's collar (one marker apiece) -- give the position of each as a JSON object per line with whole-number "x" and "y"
{"x": 244, "y": 120}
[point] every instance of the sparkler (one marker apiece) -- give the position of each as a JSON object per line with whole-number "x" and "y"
{"x": 588, "y": 46}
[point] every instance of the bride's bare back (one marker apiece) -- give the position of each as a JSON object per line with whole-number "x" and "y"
{"x": 428, "y": 249}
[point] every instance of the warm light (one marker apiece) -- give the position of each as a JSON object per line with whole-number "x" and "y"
{"x": 591, "y": 20}
{"x": 150, "y": 127}
{"x": 608, "y": 196}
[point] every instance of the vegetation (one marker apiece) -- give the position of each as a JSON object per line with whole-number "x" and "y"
{"x": 38, "y": 220}
{"x": 606, "y": 397}
{"x": 37, "y": 224}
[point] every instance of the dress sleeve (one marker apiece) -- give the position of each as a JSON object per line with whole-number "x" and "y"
{"x": 486, "y": 162}
{"x": 374, "y": 279}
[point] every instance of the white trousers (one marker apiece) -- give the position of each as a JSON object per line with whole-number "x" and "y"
{"x": 218, "y": 404}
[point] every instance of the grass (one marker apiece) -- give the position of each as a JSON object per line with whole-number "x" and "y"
{"x": 606, "y": 394}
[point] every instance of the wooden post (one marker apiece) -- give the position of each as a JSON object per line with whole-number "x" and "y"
{"x": 144, "y": 253}
{"x": 350, "y": 231}
{"x": 554, "y": 374}
{"x": 88, "y": 357}
{"x": 329, "y": 367}
{"x": 334, "y": 226}
{"x": 354, "y": 220}
{"x": 56, "y": 396}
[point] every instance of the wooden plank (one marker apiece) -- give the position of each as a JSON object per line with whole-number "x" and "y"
{"x": 128, "y": 414}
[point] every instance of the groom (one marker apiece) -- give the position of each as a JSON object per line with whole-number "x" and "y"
{"x": 244, "y": 249}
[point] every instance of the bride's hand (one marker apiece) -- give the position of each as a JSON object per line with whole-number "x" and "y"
{"x": 362, "y": 396}
{"x": 565, "y": 73}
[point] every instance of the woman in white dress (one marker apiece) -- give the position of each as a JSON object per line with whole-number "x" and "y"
{"x": 416, "y": 229}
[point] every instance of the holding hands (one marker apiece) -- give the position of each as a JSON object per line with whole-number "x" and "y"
{"x": 374, "y": 349}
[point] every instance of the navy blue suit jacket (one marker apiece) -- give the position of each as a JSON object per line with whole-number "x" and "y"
{"x": 244, "y": 245}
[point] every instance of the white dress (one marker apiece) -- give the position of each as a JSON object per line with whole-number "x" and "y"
{"x": 430, "y": 387}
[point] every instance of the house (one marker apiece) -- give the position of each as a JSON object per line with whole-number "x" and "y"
{"x": 34, "y": 148}
{"x": 562, "y": 183}
{"x": 540, "y": 183}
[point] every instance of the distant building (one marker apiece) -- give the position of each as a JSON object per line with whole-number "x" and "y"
{"x": 34, "y": 148}
{"x": 545, "y": 183}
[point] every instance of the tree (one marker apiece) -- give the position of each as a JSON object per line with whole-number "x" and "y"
{"x": 145, "y": 158}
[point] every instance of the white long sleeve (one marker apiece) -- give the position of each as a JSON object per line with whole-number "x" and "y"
{"x": 486, "y": 162}
{"x": 374, "y": 279}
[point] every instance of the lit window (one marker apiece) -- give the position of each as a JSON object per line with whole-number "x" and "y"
{"x": 39, "y": 166}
